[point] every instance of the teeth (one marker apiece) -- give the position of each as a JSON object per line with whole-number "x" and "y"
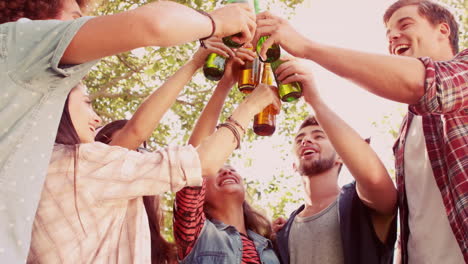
{"x": 228, "y": 181}
{"x": 398, "y": 48}
{"x": 309, "y": 151}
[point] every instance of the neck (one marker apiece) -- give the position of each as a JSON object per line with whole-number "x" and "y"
{"x": 231, "y": 214}
{"x": 445, "y": 54}
{"x": 322, "y": 188}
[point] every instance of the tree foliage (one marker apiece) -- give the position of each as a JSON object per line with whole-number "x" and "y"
{"x": 118, "y": 84}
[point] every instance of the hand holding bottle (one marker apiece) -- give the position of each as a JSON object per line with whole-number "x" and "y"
{"x": 233, "y": 65}
{"x": 293, "y": 70}
{"x": 213, "y": 45}
{"x": 280, "y": 32}
{"x": 233, "y": 19}
{"x": 262, "y": 96}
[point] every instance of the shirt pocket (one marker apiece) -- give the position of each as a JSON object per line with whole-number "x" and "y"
{"x": 213, "y": 257}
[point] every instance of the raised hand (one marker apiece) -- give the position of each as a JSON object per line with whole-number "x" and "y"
{"x": 262, "y": 96}
{"x": 293, "y": 70}
{"x": 232, "y": 69}
{"x": 213, "y": 45}
{"x": 235, "y": 18}
{"x": 280, "y": 32}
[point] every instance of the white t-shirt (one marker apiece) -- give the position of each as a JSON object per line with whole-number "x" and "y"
{"x": 431, "y": 238}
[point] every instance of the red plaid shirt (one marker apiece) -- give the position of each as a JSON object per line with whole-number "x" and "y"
{"x": 444, "y": 111}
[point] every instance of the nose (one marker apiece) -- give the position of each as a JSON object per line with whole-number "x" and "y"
{"x": 225, "y": 172}
{"x": 393, "y": 36}
{"x": 97, "y": 120}
{"x": 306, "y": 140}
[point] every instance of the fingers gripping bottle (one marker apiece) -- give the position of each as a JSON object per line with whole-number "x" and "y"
{"x": 289, "y": 92}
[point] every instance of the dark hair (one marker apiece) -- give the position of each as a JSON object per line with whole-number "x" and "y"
{"x": 66, "y": 133}
{"x": 161, "y": 250}
{"x": 12, "y": 10}
{"x": 256, "y": 221}
{"x": 309, "y": 121}
{"x": 433, "y": 12}
{"x": 105, "y": 133}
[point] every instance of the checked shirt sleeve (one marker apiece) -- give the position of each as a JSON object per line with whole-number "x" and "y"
{"x": 446, "y": 86}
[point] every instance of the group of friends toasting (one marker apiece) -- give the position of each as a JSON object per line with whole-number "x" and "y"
{"x": 73, "y": 190}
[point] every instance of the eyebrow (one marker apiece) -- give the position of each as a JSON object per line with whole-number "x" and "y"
{"x": 401, "y": 20}
{"x": 313, "y": 132}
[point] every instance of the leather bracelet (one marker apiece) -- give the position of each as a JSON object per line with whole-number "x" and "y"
{"x": 213, "y": 28}
{"x": 234, "y": 131}
{"x": 232, "y": 120}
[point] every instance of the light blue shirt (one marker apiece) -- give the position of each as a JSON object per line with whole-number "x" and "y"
{"x": 33, "y": 89}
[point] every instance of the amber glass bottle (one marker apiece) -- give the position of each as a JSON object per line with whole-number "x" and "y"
{"x": 265, "y": 121}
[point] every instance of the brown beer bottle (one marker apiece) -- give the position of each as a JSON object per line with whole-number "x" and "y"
{"x": 265, "y": 121}
{"x": 249, "y": 75}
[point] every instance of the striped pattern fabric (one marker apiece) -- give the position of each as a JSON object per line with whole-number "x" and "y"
{"x": 444, "y": 109}
{"x": 249, "y": 253}
{"x": 189, "y": 219}
{"x": 96, "y": 213}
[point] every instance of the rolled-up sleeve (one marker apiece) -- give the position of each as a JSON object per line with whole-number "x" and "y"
{"x": 110, "y": 172}
{"x": 446, "y": 86}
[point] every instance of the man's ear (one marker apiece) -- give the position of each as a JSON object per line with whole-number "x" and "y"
{"x": 294, "y": 166}
{"x": 444, "y": 29}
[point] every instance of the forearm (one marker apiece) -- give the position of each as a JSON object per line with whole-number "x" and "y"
{"x": 209, "y": 117}
{"x": 396, "y": 78}
{"x": 215, "y": 149}
{"x": 375, "y": 186}
{"x": 161, "y": 23}
{"x": 151, "y": 111}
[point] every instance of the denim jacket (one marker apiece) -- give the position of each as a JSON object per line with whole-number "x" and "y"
{"x": 219, "y": 243}
{"x": 360, "y": 242}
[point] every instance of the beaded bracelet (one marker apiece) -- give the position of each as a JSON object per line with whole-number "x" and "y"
{"x": 213, "y": 26}
{"x": 234, "y": 131}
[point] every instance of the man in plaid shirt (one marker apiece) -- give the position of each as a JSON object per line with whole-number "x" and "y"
{"x": 432, "y": 148}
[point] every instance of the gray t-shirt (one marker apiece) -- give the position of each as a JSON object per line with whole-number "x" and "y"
{"x": 33, "y": 89}
{"x": 316, "y": 238}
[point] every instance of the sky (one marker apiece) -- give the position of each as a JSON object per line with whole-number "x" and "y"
{"x": 333, "y": 23}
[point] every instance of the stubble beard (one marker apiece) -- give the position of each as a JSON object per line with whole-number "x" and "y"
{"x": 316, "y": 166}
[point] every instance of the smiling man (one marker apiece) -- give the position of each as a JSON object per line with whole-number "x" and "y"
{"x": 431, "y": 152}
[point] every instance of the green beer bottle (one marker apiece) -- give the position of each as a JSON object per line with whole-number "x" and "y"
{"x": 213, "y": 69}
{"x": 287, "y": 92}
{"x": 273, "y": 53}
{"x": 228, "y": 40}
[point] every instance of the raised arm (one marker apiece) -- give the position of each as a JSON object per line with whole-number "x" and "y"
{"x": 374, "y": 185}
{"x": 396, "y": 78}
{"x": 209, "y": 117}
{"x": 149, "y": 113}
{"x": 162, "y": 23}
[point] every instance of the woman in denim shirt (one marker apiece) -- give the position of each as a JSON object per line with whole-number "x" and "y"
{"x": 214, "y": 223}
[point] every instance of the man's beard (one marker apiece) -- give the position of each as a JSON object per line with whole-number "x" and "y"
{"x": 313, "y": 167}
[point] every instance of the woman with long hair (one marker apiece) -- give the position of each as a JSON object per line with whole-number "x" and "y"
{"x": 46, "y": 47}
{"x": 214, "y": 223}
{"x": 133, "y": 133}
{"x": 90, "y": 209}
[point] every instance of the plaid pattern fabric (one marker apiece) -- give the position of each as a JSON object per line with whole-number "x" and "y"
{"x": 92, "y": 211}
{"x": 444, "y": 111}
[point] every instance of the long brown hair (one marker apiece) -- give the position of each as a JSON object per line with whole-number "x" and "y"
{"x": 161, "y": 251}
